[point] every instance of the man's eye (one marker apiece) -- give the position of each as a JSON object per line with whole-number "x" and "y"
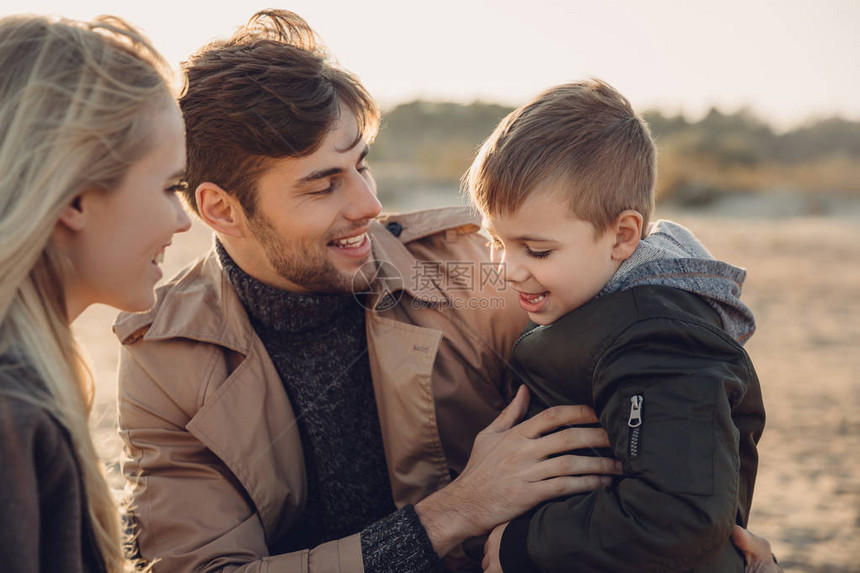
{"x": 332, "y": 185}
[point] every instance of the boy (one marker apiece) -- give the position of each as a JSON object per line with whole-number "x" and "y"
{"x": 645, "y": 327}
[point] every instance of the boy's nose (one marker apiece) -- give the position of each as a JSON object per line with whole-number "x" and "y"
{"x": 512, "y": 270}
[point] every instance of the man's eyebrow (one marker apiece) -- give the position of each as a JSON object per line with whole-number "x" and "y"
{"x": 323, "y": 173}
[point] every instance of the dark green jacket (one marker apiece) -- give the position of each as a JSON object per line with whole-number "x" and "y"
{"x": 682, "y": 405}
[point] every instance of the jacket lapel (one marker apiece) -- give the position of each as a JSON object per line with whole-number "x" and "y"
{"x": 401, "y": 363}
{"x": 247, "y": 421}
{"x": 250, "y": 425}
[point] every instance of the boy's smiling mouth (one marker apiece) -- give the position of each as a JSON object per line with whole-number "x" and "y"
{"x": 533, "y": 302}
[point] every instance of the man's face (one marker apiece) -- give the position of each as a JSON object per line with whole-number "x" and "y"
{"x": 550, "y": 257}
{"x": 313, "y": 213}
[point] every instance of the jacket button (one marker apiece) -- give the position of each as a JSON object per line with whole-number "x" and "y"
{"x": 395, "y": 228}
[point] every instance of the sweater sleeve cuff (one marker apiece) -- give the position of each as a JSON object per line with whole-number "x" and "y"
{"x": 398, "y": 543}
{"x": 513, "y": 548}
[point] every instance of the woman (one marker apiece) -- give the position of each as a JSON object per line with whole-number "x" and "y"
{"x": 91, "y": 154}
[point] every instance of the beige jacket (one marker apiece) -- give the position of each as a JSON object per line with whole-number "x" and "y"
{"x": 215, "y": 454}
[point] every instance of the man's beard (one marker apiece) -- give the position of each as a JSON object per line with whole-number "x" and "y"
{"x": 306, "y": 267}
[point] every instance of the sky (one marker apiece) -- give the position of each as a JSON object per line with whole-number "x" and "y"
{"x": 787, "y": 60}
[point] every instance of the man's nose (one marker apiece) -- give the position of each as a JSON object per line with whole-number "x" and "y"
{"x": 361, "y": 199}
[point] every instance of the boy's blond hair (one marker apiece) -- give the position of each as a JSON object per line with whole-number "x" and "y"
{"x": 583, "y": 137}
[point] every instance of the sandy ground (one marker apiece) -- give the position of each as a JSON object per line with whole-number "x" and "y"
{"x": 803, "y": 284}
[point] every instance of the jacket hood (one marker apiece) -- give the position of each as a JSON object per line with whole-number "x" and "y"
{"x": 672, "y": 256}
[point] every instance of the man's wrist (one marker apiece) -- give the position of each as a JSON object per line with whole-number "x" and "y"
{"x": 444, "y": 520}
{"x": 398, "y": 543}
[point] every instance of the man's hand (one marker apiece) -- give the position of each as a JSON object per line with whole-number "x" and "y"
{"x": 491, "y": 562}
{"x": 510, "y": 471}
{"x": 756, "y": 550}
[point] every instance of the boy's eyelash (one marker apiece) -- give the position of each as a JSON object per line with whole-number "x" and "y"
{"x": 496, "y": 244}
{"x": 537, "y": 254}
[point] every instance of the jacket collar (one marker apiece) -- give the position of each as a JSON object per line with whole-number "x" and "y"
{"x": 176, "y": 312}
{"x": 396, "y": 268}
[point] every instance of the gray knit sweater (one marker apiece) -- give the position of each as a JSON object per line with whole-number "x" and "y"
{"x": 318, "y": 345}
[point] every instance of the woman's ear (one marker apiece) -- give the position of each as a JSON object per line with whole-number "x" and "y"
{"x": 74, "y": 216}
{"x": 220, "y": 210}
{"x": 628, "y": 232}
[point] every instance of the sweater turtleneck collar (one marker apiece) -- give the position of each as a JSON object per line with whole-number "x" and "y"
{"x": 282, "y": 310}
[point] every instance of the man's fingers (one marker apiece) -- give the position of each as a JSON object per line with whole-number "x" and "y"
{"x": 751, "y": 545}
{"x": 756, "y": 550}
{"x": 570, "y": 439}
{"x": 557, "y": 417}
{"x": 513, "y": 413}
{"x": 572, "y": 465}
{"x": 569, "y": 485}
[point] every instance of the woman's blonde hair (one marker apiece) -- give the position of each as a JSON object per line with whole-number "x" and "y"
{"x": 74, "y": 102}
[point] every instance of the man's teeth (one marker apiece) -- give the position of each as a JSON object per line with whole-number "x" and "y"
{"x": 159, "y": 258}
{"x": 350, "y": 242}
{"x": 535, "y": 299}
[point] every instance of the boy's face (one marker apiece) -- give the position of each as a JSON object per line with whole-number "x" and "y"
{"x": 551, "y": 257}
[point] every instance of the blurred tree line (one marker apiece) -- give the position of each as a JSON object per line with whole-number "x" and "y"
{"x": 431, "y": 144}
{"x": 432, "y": 141}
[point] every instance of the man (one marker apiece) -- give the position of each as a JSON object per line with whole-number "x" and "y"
{"x": 274, "y": 420}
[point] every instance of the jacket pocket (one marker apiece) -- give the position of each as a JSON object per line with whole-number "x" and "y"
{"x": 670, "y": 436}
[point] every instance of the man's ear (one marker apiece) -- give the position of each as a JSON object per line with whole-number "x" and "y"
{"x": 220, "y": 210}
{"x": 628, "y": 231}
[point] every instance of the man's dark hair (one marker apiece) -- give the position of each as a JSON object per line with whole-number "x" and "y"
{"x": 270, "y": 91}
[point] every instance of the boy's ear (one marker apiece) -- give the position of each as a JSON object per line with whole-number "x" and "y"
{"x": 628, "y": 232}
{"x": 220, "y": 210}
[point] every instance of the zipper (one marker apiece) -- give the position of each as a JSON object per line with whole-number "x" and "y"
{"x": 635, "y": 424}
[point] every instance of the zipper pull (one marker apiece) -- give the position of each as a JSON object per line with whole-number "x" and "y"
{"x": 635, "y": 411}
